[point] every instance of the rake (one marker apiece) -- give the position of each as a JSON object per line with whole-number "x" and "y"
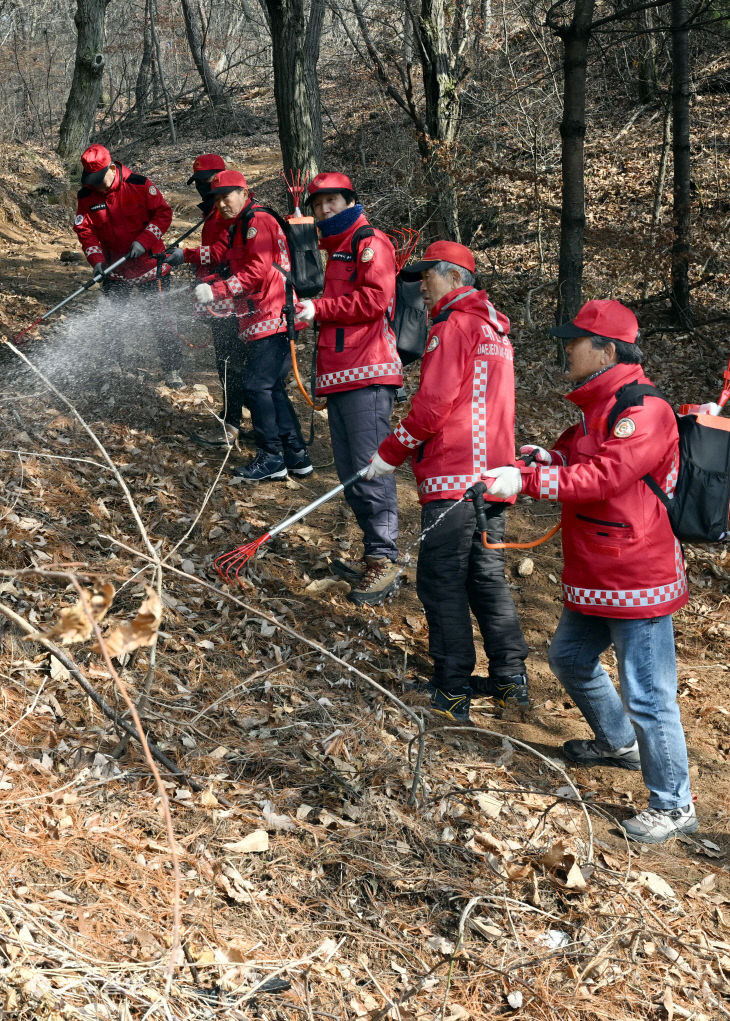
{"x": 404, "y": 240}
{"x": 228, "y": 565}
{"x": 295, "y": 185}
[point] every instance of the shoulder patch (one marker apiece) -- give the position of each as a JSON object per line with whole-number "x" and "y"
{"x": 624, "y": 427}
{"x": 78, "y": 220}
{"x": 367, "y": 254}
{"x": 251, "y": 232}
{"x": 153, "y": 190}
{"x": 137, "y": 179}
{"x": 432, "y": 344}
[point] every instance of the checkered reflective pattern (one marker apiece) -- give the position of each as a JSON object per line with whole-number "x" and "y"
{"x": 222, "y": 307}
{"x": 94, "y": 250}
{"x": 234, "y": 285}
{"x": 151, "y": 274}
{"x": 205, "y": 255}
{"x": 627, "y": 598}
{"x": 356, "y": 375}
{"x": 479, "y": 416}
{"x": 404, "y": 437}
{"x": 447, "y": 484}
{"x": 263, "y": 326}
{"x": 670, "y": 482}
{"x": 155, "y": 231}
{"x": 283, "y": 252}
{"x": 548, "y": 477}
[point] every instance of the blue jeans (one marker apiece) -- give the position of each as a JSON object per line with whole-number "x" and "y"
{"x": 646, "y": 710}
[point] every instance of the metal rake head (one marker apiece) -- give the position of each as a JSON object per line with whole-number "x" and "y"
{"x": 404, "y": 240}
{"x": 228, "y": 565}
{"x": 295, "y": 182}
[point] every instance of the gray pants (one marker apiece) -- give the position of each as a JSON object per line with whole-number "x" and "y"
{"x": 359, "y": 421}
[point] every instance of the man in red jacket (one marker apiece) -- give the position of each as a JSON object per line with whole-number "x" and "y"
{"x": 254, "y": 290}
{"x": 623, "y": 575}
{"x": 461, "y": 423}
{"x": 358, "y": 371}
{"x": 121, "y": 213}
{"x": 210, "y": 257}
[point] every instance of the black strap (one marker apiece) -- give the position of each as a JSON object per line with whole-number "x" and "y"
{"x": 366, "y": 231}
{"x": 631, "y": 395}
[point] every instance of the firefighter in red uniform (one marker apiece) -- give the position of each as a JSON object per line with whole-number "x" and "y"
{"x": 121, "y": 213}
{"x": 255, "y": 291}
{"x": 358, "y": 371}
{"x": 210, "y": 257}
{"x": 461, "y": 422}
{"x": 623, "y": 574}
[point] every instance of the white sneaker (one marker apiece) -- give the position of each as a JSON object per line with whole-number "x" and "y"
{"x": 174, "y": 380}
{"x": 655, "y": 825}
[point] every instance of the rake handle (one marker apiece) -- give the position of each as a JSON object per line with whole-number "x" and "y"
{"x": 316, "y": 503}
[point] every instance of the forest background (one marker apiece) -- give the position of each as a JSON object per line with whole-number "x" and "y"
{"x": 308, "y": 848}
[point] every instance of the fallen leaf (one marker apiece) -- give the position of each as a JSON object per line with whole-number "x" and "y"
{"x": 658, "y": 886}
{"x": 253, "y": 843}
{"x": 137, "y": 633}
{"x": 333, "y": 585}
{"x": 75, "y": 622}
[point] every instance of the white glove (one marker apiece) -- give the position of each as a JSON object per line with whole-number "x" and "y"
{"x": 505, "y": 481}
{"x": 539, "y": 454}
{"x": 203, "y": 294}
{"x": 378, "y": 466}
{"x": 709, "y": 409}
{"x": 305, "y": 311}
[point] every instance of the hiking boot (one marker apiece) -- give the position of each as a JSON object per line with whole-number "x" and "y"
{"x": 173, "y": 379}
{"x": 263, "y": 467}
{"x": 225, "y": 435}
{"x": 351, "y": 570}
{"x": 454, "y": 706}
{"x": 381, "y": 579}
{"x": 508, "y": 690}
{"x": 593, "y": 753}
{"x": 655, "y": 825}
{"x": 421, "y": 688}
{"x": 297, "y": 462}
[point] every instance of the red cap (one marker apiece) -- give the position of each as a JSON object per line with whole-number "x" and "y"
{"x": 328, "y": 183}
{"x": 227, "y": 180}
{"x": 96, "y": 161}
{"x": 601, "y": 318}
{"x": 441, "y": 251}
{"x": 205, "y": 165}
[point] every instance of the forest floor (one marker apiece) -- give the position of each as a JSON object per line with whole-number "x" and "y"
{"x": 321, "y": 871}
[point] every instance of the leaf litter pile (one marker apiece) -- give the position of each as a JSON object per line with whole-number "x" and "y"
{"x": 317, "y": 845}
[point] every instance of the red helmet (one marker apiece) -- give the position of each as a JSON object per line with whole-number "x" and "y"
{"x": 330, "y": 183}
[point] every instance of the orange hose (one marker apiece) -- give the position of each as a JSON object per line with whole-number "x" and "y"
{"x": 303, "y": 389}
{"x": 520, "y": 545}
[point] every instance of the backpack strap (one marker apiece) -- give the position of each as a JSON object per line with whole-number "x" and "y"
{"x": 631, "y": 395}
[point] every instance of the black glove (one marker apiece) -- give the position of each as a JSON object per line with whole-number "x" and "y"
{"x": 176, "y": 257}
{"x": 136, "y": 250}
{"x": 98, "y": 269}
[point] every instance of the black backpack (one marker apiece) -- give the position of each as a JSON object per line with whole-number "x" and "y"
{"x": 306, "y": 274}
{"x": 698, "y": 509}
{"x": 409, "y": 321}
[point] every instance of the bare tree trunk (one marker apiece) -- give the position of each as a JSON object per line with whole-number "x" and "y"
{"x": 158, "y": 55}
{"x": 196, "y": 41}
{"x": 311, "y": 59}
{"x": 83, "y": 97}
{"x": 294, "y": 85}
{"x": 142, "y": 84}
{"x": 682, "y": 164}
{"x": 575, "y": 38}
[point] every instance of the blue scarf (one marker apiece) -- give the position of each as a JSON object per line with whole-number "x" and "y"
{"x": 340, "y": 222}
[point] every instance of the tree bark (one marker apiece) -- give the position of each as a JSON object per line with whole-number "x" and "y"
{"x": 213, "y": 89}
{"x": 682, "y": 164}
{"x": 160, "y": 74}
{"x": 142, "y": 83}
{"x": 575, "y": 38}
{"x": 296, "y": 90}
{"x": 83, "y": 97}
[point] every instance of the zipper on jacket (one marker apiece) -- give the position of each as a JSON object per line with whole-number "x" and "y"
{"x": 600, "y": 521}
{"x": 583, "y": 423}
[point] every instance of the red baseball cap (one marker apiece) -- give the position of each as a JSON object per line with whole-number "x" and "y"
{"x": 601, "y": 318}
{"x": 205, "y": 166}
{"x": 96, "y": 161}
{"x": 328, "y": 183}
{"x": 441, "y": 251}
{"x": 227, "y": 180}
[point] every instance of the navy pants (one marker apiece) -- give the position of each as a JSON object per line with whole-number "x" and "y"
{"x": 230, "y": 358}
{"x": 273, "y": 417}
{"x": 159, "y": 316}
{"x": 359, "y": 421}
{"x": 457, "y": 574}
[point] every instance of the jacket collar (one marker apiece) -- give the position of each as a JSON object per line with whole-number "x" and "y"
{"x": 342, "y": 241}
{"x": 453, "y": 296}
{"x": 604, "y": 384}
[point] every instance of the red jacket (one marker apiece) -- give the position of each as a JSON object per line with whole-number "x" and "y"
{"x": 621, "y": 558}
{"x": 108, "y": 222}
{"x": 356, "y": 346}
{"x": 462, "y": 418}
{"x": 255, "y": 289}
{"x": 211, "y": 252}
